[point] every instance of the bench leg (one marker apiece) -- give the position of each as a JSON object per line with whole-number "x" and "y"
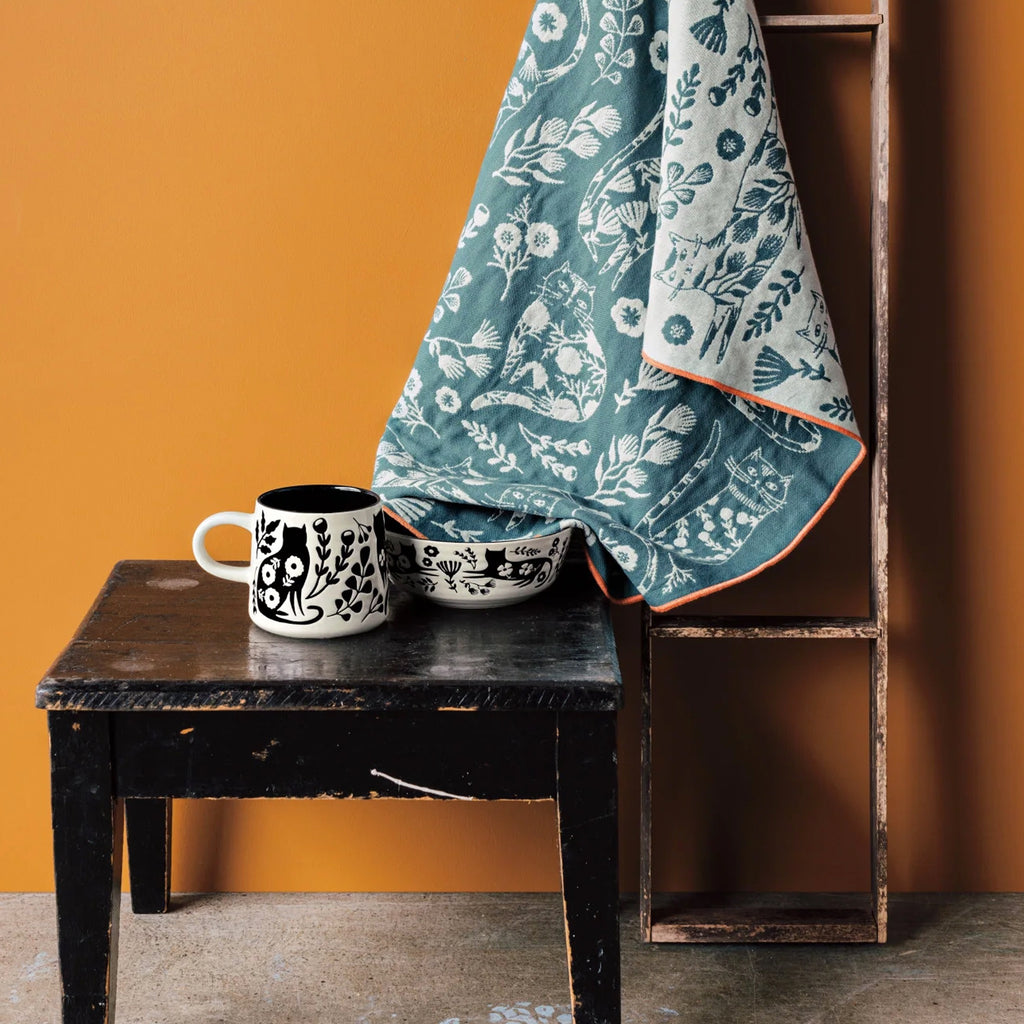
{"x": 87, "y": 838}
{"x": 587, "y": 790}
{"x": 149, "y": 854}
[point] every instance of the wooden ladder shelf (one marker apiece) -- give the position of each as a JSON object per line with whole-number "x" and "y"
{"x": 785, "y": 917}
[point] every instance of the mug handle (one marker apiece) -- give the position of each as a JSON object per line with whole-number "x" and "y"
{"x": 236, "y": 573}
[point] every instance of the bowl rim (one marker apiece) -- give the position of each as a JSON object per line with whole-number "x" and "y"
{"x": 401, "y": 532}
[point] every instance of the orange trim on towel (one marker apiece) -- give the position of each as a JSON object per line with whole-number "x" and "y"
{"x": 746, "y": 576}
{"x": 753, "y": 398}
{"x": 603, "y": 587}
{"x": 796, "y": 540}
{"x": 408, "y": 526}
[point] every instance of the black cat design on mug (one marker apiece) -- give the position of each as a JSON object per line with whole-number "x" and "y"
{"x": 318, "y": 565}
{"x": 281, "y": 578}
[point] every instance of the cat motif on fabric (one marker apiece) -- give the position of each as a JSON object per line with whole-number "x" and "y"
{"x": 554, "y": 365}
{"x": 634, "y": 335}
{"x": 716, "y": 530}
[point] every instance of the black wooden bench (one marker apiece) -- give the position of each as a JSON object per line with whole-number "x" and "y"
{"x": 168, "y": 691}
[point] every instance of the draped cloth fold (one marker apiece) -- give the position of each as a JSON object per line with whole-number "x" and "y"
{"x": 632, "y": 336}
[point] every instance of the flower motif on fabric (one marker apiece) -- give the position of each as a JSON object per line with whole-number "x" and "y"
{"x": 569, "y": 361}
{"x": 454, "y": 357}
{"x": 711, "y": 31}
{"x": 649, "y": 378}
{"x": 542, "y": 150}
{"x": 625, "y": 556}
{"x": 448, "y": 400}
{"x": 507, "y": 237}
{"x": 549, "y": 23}
{"x": 677, "y": 329}
{"x": 450, "y": 299}
{"x": 659, "y": 51}
{"x": 407, "y": 409}
{"x": 772, "y": 369}
{"x": 541, "y": 239}
{"x": 517, "y": 240}
{"x": 730, "y": 145}
{"x": 629, "y": 317}
{"x": 536, "y": 316}
{"x": 620, "y": 474}
{"x": 413, "y": 385}
{"x": 477, "y": 219}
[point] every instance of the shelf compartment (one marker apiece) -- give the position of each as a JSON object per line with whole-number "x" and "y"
{"x": 764, "y": 917}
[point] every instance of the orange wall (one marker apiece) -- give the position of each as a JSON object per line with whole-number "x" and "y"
{"x": 223, "y": 228}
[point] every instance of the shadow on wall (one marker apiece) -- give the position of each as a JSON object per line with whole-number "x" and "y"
{"x": 934, "y": 787}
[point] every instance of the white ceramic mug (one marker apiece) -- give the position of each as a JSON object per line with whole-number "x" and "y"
{"x": 318, "y": 564}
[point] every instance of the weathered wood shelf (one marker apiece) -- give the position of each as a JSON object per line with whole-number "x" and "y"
{"x": 765, "y": 917}
{"x": 821, "y": 22}
{"x": 773, "y": 919}
{"x": 763, "y": 627}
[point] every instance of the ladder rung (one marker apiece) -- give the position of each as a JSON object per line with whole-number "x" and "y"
{"x": 821, "y": 22}
{"x": 763, "y": 627}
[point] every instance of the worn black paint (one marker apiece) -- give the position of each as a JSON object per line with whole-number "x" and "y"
{"x": 146, "y": 645}
{"x": 149, "y": 854}
{"x": 589, "y": 843}
{"x": 87, "y": 841}
{"x": 332, "y": 753}
{"x": 156, "y": 698}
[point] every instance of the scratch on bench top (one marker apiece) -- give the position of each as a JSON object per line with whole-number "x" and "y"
{"x": 419, "y": 789}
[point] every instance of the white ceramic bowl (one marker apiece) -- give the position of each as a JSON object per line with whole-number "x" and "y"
{"x": 476, "y": 575}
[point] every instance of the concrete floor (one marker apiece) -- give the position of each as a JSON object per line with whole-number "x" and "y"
{"x": 500, "y": 959}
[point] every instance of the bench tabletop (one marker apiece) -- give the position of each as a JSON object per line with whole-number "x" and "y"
{"x": 166, "y": 635}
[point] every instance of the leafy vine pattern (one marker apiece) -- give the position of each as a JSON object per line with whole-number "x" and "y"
{"x": 751, "y": 60}
{"x": 325, "y": 574}
{"x": 408, "y": 409}
{"x": 620, "y": 27}
{"x": 679, "y": 187}
{"x": 360, "y": 595}
{"x": 839, "y": 408}
{"x": 769, "y": 312}
{"x": 683, "y": 97}
{"x": 488, "y": 441}
{"x": 547, "y": 448}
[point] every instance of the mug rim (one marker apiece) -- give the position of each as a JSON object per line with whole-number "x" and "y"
{"x": 315, "y": 499}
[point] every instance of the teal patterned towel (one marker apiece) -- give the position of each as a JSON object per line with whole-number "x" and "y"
{"x": 632, "y": 336}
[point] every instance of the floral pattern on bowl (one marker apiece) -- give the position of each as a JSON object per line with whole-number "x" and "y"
{"x": 476, "y": 575}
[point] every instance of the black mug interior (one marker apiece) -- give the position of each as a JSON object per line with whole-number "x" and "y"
{"x": 322, "y": 498}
